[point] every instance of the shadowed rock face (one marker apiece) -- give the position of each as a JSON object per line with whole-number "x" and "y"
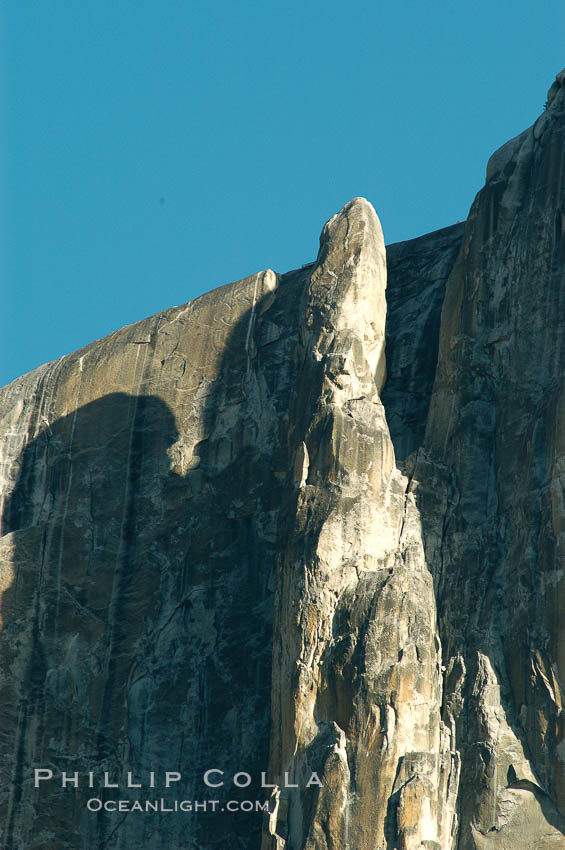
{"x": 142, "y": 478}
{"x": 234, "y": 538}
{"x": 417, "y": 273}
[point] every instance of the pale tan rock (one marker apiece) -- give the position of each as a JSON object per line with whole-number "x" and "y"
{"x": 363, "y": 672}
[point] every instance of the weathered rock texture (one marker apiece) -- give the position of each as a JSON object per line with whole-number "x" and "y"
{"x": 355, "y": 623}
{"x": 142, "y": 479}
{"x": 233, "y": 538}
{"x": 494, "y": 507}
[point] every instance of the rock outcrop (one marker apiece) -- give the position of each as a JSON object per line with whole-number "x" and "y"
{"x": 142, "y": 478}
{"x": 238, "y": 538}
{"x": 355, "y": 622}
{"x": 494, "y": 439}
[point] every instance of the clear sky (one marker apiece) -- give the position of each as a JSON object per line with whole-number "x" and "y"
{"x": 155, "y": 149}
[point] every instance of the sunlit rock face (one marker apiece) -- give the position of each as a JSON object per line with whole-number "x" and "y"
{"x": 306, "y": 529}
{"x": 355, "y": 621}
{"x": 494, "y": 439}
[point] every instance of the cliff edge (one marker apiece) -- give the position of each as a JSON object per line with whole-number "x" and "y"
{"x": 299, "y": 543}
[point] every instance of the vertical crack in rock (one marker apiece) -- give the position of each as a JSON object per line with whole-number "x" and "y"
{"x": 356, "y": 669}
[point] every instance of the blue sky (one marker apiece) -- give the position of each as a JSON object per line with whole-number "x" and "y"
{"x": 154, "y": 150}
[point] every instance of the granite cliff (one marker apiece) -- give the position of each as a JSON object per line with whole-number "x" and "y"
{"x": 307, "y": 530}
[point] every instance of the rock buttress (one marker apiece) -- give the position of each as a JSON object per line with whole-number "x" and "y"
{"x": 356, "y": 661}
{"x": 493, "y": 502}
